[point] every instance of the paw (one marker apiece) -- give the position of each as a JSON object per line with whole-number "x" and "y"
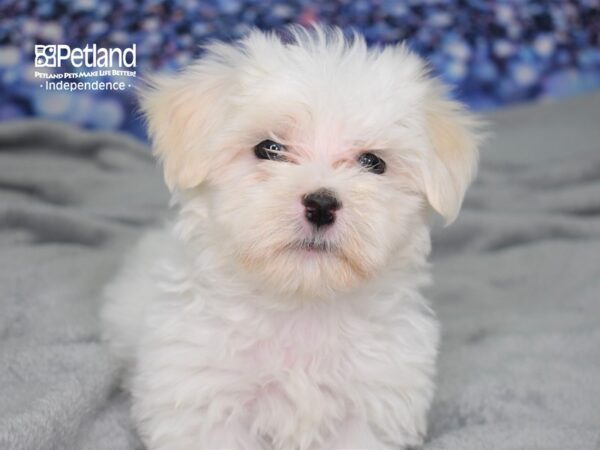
{"x": 357, "y": 435}
{"x": 230, "y": 437}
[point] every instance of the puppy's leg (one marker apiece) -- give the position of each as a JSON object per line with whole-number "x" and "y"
{"x": 226, "y": 438}
{"x": 176, "y": 405}
{"x": 356, "y": 434}
{"x": 171, "y": 428}
{"x": 232, "y": 436}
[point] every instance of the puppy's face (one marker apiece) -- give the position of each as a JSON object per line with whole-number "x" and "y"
{"x": 316, "y": 159}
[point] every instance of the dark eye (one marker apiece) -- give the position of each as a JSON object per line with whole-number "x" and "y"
{"x": 372, "y": 163}
{"x": 269, "y": 150}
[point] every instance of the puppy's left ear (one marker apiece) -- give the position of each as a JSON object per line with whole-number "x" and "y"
{"x": 452, "y": 163}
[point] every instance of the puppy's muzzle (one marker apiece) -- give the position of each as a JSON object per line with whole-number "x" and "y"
{"x": 320, "y": 207}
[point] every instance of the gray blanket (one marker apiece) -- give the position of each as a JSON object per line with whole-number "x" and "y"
{"x": 517, "y": 285}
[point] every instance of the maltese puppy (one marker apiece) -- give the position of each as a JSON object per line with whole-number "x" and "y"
{"x": 280, "y": 310}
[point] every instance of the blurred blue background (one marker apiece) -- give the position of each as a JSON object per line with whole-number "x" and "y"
{"x": 494, "y": 53}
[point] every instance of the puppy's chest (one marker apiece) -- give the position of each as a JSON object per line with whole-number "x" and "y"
{"x": 302, "y": 347}
{"x": 293, "y": 361}
{"x": 321, "y": 346}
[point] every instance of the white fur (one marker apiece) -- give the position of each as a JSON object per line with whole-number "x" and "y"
{"x": 232, "y": 336}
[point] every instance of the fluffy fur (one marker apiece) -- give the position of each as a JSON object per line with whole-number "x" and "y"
{"x": 234, "y": 332}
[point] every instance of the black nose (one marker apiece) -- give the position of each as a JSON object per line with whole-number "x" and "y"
{"x": 320, "y": 207}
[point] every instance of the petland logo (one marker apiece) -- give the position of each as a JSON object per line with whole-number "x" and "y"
{"x": 55, "y": 55}
{"x": 84, "y": 69}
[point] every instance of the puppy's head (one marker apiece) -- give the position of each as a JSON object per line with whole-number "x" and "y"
{"x": 316, "y": 159}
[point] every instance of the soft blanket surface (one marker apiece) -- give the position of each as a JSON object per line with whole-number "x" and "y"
{"x": 517, "y": 285}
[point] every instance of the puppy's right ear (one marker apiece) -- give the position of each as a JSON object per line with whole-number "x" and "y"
{"x": 184, "y": 113}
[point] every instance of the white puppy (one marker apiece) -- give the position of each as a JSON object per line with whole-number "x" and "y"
{"x": 281, "y": 309}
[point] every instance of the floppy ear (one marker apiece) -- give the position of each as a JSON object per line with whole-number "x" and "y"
{"x": 184, "y": 113}
{"x": 452, "y": 163}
